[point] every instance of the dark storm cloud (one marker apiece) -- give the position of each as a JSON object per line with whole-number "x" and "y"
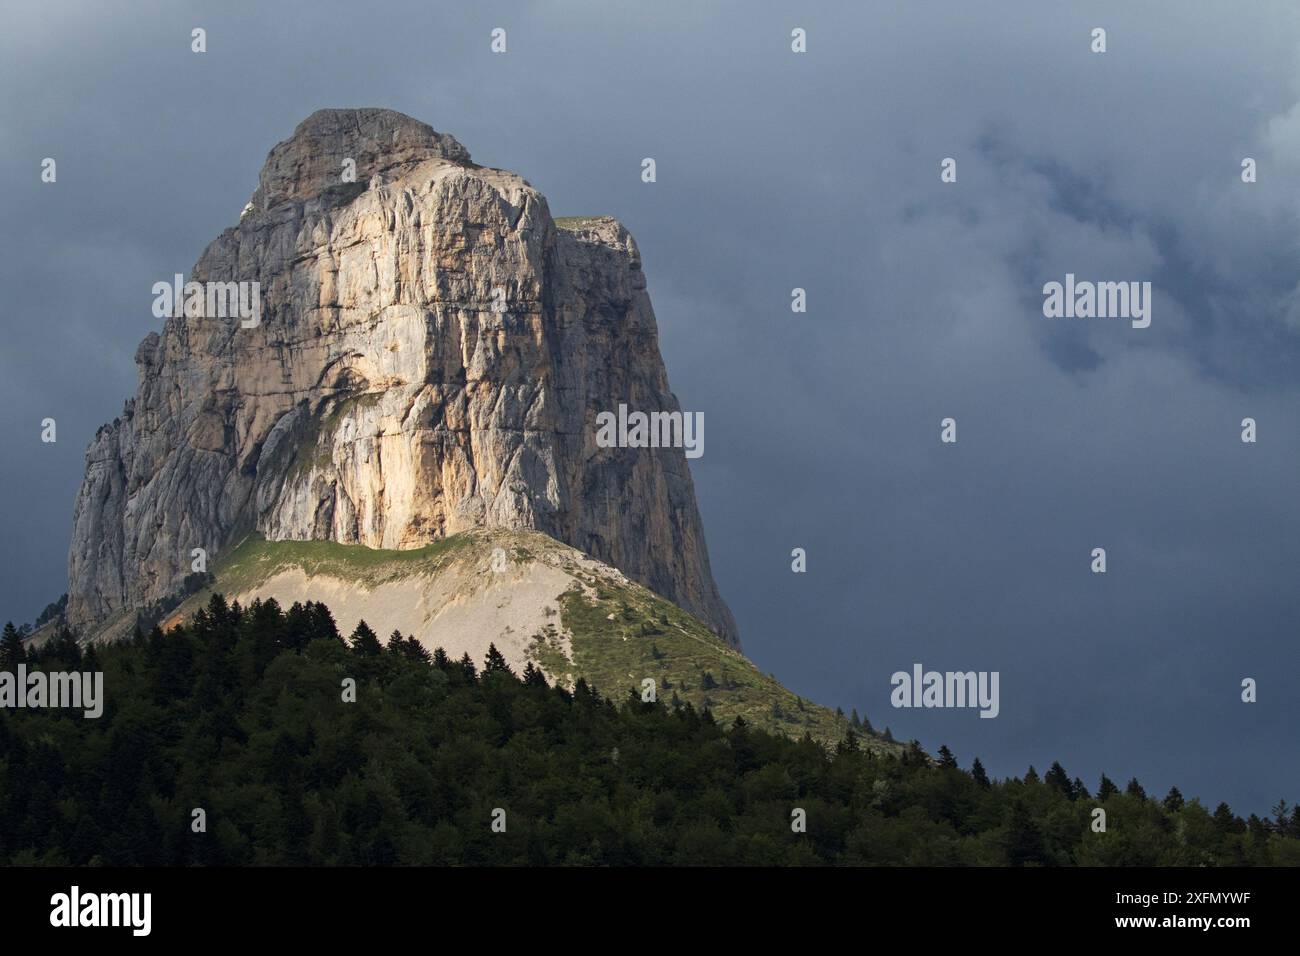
{"x": 818, "y": 171}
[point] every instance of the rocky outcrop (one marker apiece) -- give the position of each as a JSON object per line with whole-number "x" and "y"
{"x": 430, "y": 356}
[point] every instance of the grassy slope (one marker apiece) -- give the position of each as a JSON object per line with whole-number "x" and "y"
{"x": 255, "y": 559}
{"x": 573, "y": 222}
{"x": 647, "y": 636}
{"x": 650, "y": 637}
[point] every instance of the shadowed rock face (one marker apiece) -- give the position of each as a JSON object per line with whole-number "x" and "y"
{"x": 382, "y": 400}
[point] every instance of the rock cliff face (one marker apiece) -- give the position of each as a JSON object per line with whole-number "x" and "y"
{"x": 431, "y": 355}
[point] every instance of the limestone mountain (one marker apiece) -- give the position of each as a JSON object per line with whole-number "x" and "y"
{"x": 429, "y": 358}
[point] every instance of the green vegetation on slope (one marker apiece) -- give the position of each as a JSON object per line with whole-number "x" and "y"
{"x": 627, "y": 633}
{"x": 255, "y": 559}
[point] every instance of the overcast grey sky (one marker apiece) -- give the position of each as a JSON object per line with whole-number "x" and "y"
{"x": 821, "y": 171}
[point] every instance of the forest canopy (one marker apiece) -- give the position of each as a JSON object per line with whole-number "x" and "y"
{"x": 243, "y": 714}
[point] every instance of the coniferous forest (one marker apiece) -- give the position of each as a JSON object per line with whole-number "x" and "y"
{"x": 241, "y": 714}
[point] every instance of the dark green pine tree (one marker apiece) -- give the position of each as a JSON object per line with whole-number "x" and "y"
{"x": 946, "y": 759}
{"x": 1258, "y": 828}
{"x": 534, "y": 677}
{"x": 322, "y": 623}
{"x": 855, "y": 719}
{"x": 495, "y": 662}
{"x": 978, "y": 774}
{"x": 365, "y": 642}
{"x": 1281, "y": 816}
{"x": 1080, "y": 789}
{"x": 1173, "y": 800}
{"x": 173, "y": 677}
{"x": 11, "y": 648}
{"x": 415, "y": 651}
{"x": 297, "y": 626}
{"x": 1224, "y": 819}
{"x": 1059, "y": 780}
{"x": 65, "y": 651}
{"x": 467, "y": 668}
{"x": 1032, "y": 775}
{"x": 1106, "y": 789}
{"x": 1134, "y": 789}
{"x": 440, "y": 659}
{"x": 395, "y": 646}
{"x": 1024, "y": 839}
{"x": 914, "y": 756}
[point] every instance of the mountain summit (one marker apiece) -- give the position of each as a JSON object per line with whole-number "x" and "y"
{"x": 429, "y": 357}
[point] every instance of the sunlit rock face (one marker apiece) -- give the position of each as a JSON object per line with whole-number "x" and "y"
{"x": 429, "y": 356}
